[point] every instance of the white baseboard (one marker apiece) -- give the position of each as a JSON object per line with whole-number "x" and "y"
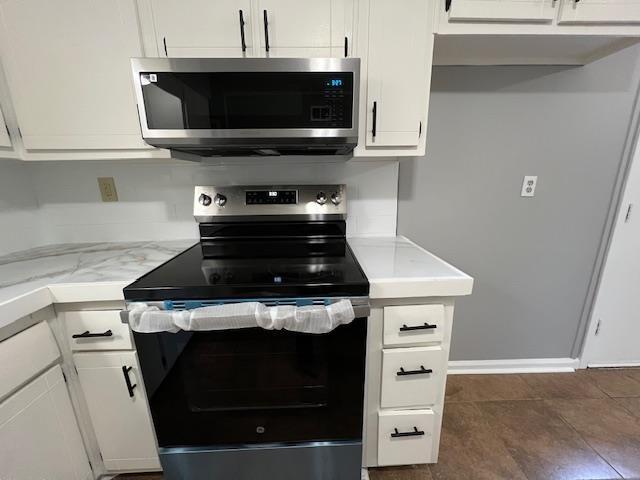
{"x": 524, "y": 365}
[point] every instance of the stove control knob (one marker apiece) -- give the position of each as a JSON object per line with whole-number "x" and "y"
{"x": 321, "y": 198}
{"x": 336, "y": 198}
{"x": 220, "y": 200}
{"x": 205, "y": 199}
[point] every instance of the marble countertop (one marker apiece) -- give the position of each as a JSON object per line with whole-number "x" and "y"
{"x": 398, "y": 268}
{"x": 35, "y": 278}
{"x": 93, "y": 272}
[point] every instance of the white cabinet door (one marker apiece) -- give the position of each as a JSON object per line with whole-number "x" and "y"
{"x": 5, "y": 140}
{"x": 303, "y": 28}
{"x": 121, "y": 420}
{"x": 600, "y": 11}
{"x": 400, "y": 53}
{"x": 203, "y": 28}
{"x": 69, "y": 75}
{"x": 502, "y": 10}
{"x": 39, "y": 435}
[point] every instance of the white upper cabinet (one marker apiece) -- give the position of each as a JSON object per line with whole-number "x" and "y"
{"x": 398, "y": 73}
{"x": 203, "y": 28}
{"x": 249, "y": 28}
{"x": 68, "y": 72}
{"x": 502, "y": 10}
{"x": 600, "y": 11}
{"x": 304, "y": 28}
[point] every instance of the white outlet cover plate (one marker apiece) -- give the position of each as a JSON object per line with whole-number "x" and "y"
{"x": 529, "y": 186}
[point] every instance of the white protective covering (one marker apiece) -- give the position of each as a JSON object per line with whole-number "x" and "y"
{"x": 310, "y": 319}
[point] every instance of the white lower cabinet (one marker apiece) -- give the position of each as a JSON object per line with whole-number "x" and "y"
{"x": 411, "y": 376}
{"x": 114, "y": 392}
{"x": 405, "y": 437}
{"x": 39, "y": 435}
{"x": 407, "y": 355}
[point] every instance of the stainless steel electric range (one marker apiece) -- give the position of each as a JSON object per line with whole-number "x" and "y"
{"x": 253, "y": 403}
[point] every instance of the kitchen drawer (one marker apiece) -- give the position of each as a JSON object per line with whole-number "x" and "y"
{"x": 413, "y": 324}
{"x": 98, "y": 323}
{"x": 412, "y": 376}
{"x": 405, "y": 437}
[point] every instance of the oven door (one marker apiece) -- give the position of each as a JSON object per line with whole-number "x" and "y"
{"x": 255, "y": 386}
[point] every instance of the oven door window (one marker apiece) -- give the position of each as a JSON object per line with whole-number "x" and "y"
{"x": 257, "y": 100}
{"x": 254, "y": 385}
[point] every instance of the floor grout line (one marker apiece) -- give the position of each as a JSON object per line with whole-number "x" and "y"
{"x": 570, "y": 425}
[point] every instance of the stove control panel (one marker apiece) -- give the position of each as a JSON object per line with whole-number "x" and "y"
{"x": 312, "y": 201}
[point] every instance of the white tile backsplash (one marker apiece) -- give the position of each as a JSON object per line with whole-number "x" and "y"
{"x": 61, "y": 201}
{"x": 19, "y": 213}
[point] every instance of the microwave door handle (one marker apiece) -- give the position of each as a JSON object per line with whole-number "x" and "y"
{"x": 242, "y": 39}
{"x": 266, "y": 30}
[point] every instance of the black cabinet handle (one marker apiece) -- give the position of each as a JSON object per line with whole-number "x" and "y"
{"x": 403, "y": 373}
{"x": 266, "y": 30}
{"x": 164, "y": 42}
{"x": 346, "y": 47}
{"x": 414, "y": 433}
{"x": 88, "y": 334}
{"x": 127, "y": 380}
{"x": 244, "y": 45}
{"x": 447, "y": 5}
{"x": 375, "y": 120}
{"x": 426, "y": 326}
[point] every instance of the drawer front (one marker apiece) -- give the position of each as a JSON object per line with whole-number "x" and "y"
{"x": 106, "y": 330}
{"x": 412, "y": 376}
{"x": 413, "y": 324}
{"x": 405, "y": 437}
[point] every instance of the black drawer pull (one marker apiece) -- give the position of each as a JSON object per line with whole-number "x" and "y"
{"x": 88, "y": 334}
{"x": 415, "y": 433}
{"x": 426, "y": 326}
{"x": 403, "y": 373}
{"x": 127, "y": 380}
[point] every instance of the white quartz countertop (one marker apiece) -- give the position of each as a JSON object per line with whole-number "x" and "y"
{"x": 398, "y": 268}
{"x": 93, "y": 272}
{"x": 83, "y": 272}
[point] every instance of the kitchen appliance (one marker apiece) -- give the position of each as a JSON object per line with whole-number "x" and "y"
{"x": 206, "y": 107}
{"x": 252, "y": 403}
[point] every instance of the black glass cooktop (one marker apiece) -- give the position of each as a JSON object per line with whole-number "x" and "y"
{"x": 244, "y": 268}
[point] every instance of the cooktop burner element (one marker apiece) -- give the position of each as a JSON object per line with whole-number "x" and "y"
{"x": 257, "y": 242}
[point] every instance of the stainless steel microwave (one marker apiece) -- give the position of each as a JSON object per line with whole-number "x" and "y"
{"x": 248, "y": 106}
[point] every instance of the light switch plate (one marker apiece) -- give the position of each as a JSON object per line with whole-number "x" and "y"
{"x": 529, "y": 186}
{"x": 108, "y": 190}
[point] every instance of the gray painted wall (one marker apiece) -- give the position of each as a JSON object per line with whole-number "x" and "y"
{"x": 532, "y": 258}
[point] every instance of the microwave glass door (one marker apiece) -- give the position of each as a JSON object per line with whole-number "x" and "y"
{"x": 252, "y": 385}
{"x": 243, "y": 100}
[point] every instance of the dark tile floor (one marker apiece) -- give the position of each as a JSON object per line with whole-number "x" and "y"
{"x": 555, "y": 426}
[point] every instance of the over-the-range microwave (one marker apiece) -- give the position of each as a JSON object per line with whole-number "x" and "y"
{"x": 248, "y": 106}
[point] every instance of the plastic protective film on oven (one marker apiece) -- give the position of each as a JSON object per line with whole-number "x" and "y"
{"x": 143, "y": 318}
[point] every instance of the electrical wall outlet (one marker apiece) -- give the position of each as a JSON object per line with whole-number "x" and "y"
{"x": 529, "y": 186}
{"x": 108, "y": 189}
